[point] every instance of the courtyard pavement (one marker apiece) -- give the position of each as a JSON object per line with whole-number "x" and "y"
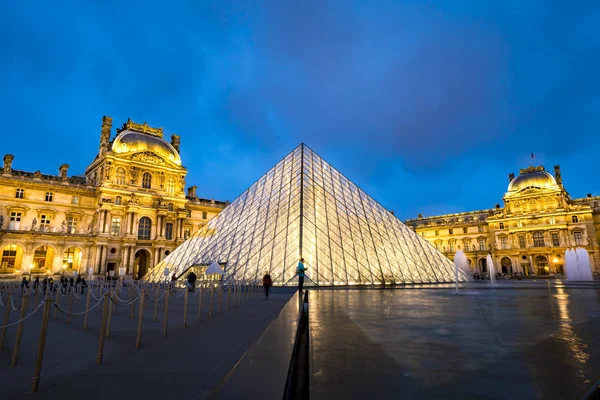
{"x": 189, "y": 363}
{"x": 501, "y": 343}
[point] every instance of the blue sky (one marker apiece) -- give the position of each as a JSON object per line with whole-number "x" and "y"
{"x": 425, "y": 105}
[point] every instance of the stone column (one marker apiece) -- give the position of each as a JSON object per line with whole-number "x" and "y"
{"x": 103, "y": 259}
{"x": 125, "y": 259}
{"x": 101, "y": 222}
{"x": 106, "y": 221}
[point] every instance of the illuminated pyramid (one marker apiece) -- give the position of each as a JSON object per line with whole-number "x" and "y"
{"x": 303, "y": 207}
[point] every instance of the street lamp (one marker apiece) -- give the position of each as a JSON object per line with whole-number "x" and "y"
{"x": 64, "y": 267}
{"x": 31, "y": 267}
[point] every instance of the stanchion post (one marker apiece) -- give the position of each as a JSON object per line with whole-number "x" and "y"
{"x": 166, "y": 314}
{"x": 228, "y": 294}
{"x": 56, "y": 302}
{"x": 88, "y": 299}
{"x": 70, "y": 308}
{"x": 15, "y": 356}
{"x": 212, "y": 290}
{"x": 200, "y": 295}
{"x": 138, "y": 340}
{"x": 156, "y": 303}
{"x": 6, "y": 317}
{"x": 220, "y": 297}
{"x": 133, "y": 309}
{"x": 41, "y": 346}
{"x": 110, "y": 313}
{"x": 105, "y": 310}
{"x": 185, "y": 303}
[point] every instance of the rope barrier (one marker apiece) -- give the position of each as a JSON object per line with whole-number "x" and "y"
{"x": 126, "y": 304}
{"x": 80, "y": 313}
{"x": 12, "y": 303}
{"x": 158, "y": 299}
{"x": 23, "y": 319}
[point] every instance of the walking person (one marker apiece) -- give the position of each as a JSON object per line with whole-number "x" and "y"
{"x": 267, "y": 283}
{"x": 300, "y": 271}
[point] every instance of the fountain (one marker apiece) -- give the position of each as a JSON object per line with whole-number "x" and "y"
{"x": 577, "y": 265}
{"x": 460, "y": 261}
{"x": 490, "y": 264}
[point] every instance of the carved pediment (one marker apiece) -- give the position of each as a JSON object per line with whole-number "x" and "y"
{"x": 148, "y": 157}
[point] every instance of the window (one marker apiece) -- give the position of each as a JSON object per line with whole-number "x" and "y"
{"x": 552, "y": 221}
{"x": 39, "y": 257}
{"x": 15, "y": 221}
{"x": 146, "y": 180}
{"x": 538, "y": 239}
{"x": 450, "y": 231}
{"x": 578, "y": 238}
{"x": 186, "y": 233}
{"x": 144, "y": 227}
{"x": 503, "y": 243}
{"x": 437, "y": 233}
{"x": 9, "y": 256}
{"x": 465, "y": 230}
{"x": 45, "y": 222}
{"x": 480, "y": 229}
{"x": 20, "y": 193}
{"x": 451, "y": 247}
{"x": 555, "y": 240}
{"x": 481, "y": 244}
{"x": 48, "y": 196}
{"x": 115, "y": 226}
{"x": 522, "y": 243}
{"x": 71, "y": 224}
{"x": 75, "y": 200}
{"x": 520, "y": 224}
{"x": 204, "y": 215}
{"x": 120, "y": 176}
{"x": 437, "y": 246}
{"x": 574, "y": 218}
{"x": 170, "y": 185}
{"x": 118, "y": 200}
{"x": 69, "y": 257}
{"x": 188, "y": 212}
{"x": 501, "y": 225}
{"x": 170, "y": 206}
{"x": 169, "y": 231}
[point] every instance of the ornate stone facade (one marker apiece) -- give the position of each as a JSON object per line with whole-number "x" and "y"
{"x": 529, "y": 235}
{"x": 125, "y": 214}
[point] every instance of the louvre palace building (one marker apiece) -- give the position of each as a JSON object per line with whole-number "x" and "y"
{"x": 528, "y": 235}
{"x": 125, "y": 214}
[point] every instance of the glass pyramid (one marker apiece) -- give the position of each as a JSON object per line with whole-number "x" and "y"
{"x": 303, "y": 207}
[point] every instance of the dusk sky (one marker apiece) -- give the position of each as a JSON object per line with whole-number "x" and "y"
{"x": 427, "y": 106}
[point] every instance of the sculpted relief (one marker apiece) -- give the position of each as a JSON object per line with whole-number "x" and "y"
{"x": 148, "y": 157}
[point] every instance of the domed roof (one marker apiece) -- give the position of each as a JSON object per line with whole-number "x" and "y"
{"x": 133, "y": 142}
{"x": 532, "y": 177}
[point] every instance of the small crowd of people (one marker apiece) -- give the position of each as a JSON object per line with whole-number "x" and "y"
{"x": 47, "y": 285}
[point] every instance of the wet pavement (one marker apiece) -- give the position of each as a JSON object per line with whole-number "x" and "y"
{"x": 486, "y": 343}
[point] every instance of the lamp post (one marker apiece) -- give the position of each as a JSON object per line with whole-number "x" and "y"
{"x": 30, "y": 269}
{"x": 64, "y": 267}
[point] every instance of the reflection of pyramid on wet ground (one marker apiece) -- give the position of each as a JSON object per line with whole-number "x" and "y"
{"x": 304, "y": 207}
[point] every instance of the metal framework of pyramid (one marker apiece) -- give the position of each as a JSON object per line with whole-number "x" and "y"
{"x": 303, "y": 207}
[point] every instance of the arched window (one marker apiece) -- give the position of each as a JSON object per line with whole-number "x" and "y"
{"x": 170, "y": 185}
{"x": 144, "y": 228}
{"x": 39, "y": 257}
{"x": 146, "y": 180}
{"x": 69, "y": 257}
{"x": 120, "y": 176}
{"x": 170, "y": 206}
{"x": 9, "y": 256}
{"x": 538, "y": 239}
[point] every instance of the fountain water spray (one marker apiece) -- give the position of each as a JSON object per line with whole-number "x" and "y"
{"x": 491, "y": 268}
{"x": 460, "y": 262}
{"x": 577, "y": 265}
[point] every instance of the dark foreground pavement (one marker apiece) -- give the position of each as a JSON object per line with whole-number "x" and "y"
{"x": 189, "y": 363}
{"x": 431, "y": 344}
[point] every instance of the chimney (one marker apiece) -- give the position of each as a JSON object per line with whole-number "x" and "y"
{"x": 589, "y": 195}
{"x": 192, "y": 191}
{"x": 420, "y": 216}
{"x": 63, "y": 169}
{"x": 497, "y": 205}
{"x": 105, "y": 134}
{"x": 8, "y": 159}
{"x": 511, "y": 177}
{"x": 557, "y": 174}
{"x": 175, "y": 141}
